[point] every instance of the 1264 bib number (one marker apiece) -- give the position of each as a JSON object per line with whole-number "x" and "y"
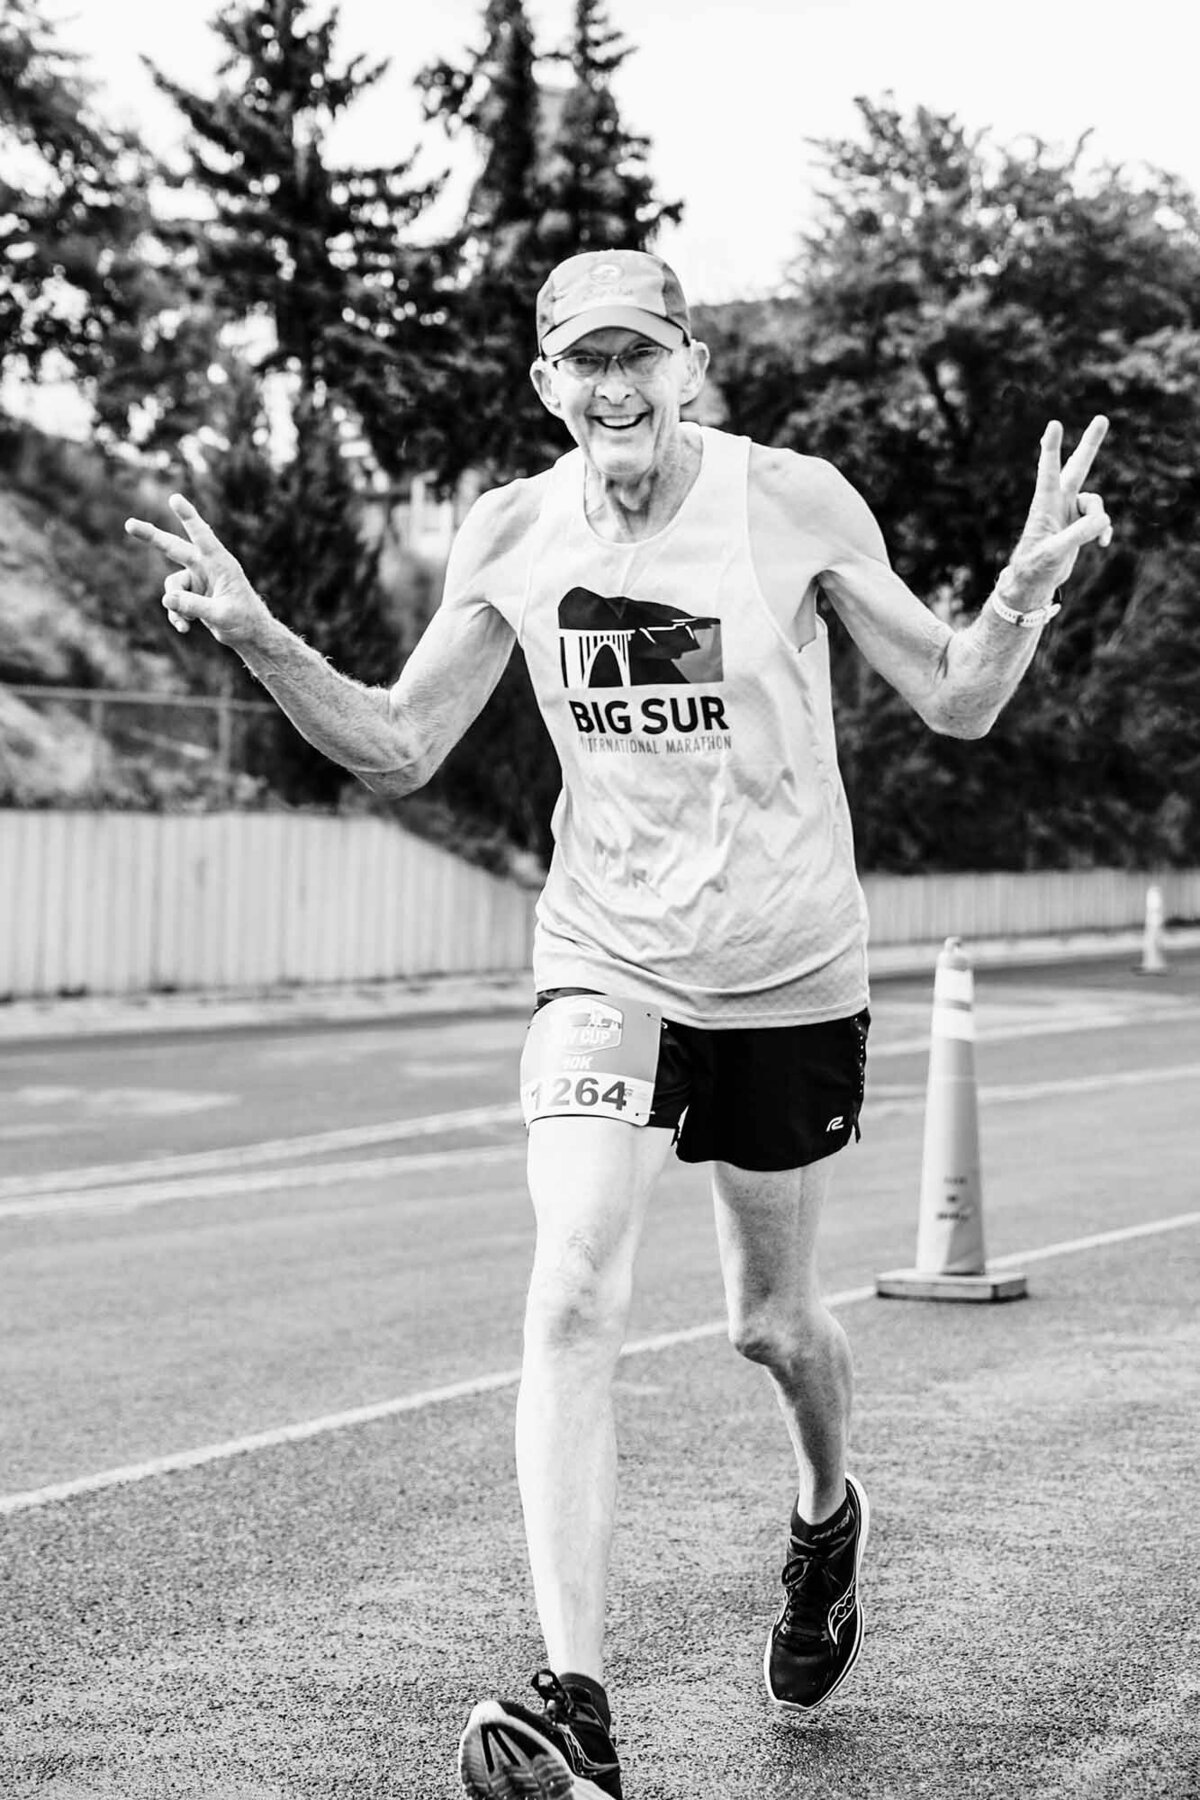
{"x": 590, "y": 1056}
{"x": 580, "y": 1093}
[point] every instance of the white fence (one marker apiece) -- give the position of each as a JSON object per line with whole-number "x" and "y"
{"x": 94, "y": 902}
{"x": 137, "y": 902}
{"x": 919, "y": 909}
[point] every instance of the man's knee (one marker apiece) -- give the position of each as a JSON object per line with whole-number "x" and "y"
{"x": 575, "y": 1301}
{"x": 780, "y": 1338}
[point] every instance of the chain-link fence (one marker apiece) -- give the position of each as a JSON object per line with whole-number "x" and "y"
{"x": 94, "y": 746}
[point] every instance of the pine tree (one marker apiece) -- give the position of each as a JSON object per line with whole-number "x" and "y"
{"x": 315, "y": 250}
{"x": 301, "y": 532}
{"x": 597, "y": 192}
{"x": 495, "y": 96}
{"x": 313, "y": 256}
{"x": 488, "y": 419}
{"x": 558, "y": 173}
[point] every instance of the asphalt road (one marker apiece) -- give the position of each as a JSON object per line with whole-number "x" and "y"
{"x": 259, "y": 1313}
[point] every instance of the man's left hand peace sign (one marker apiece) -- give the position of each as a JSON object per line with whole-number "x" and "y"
{"x": 1062, "y": 517}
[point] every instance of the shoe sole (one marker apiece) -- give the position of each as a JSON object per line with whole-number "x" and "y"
{"x": 791, "y": 1712}
{"x": 501, "y": 1758}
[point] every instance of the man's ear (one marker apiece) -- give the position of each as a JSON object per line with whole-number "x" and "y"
{"x": 542, "y": 377}
{"x": 698, "y": 355}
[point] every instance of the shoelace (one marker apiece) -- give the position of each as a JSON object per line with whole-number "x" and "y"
{"x": 553, "y": 1695}
{"x": 563, "y": 1709}
{"x": 812, "y": 1587}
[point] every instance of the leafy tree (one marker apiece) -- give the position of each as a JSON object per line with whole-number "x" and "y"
{"x": 75, "y": 276}
{"x": 316, "y": 251}
{"x": 953, "y": 297}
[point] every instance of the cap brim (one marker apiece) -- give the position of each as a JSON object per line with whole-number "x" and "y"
{"x": 601, "y": 318}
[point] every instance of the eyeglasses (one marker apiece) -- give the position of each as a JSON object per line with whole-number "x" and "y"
{"x": 636, "y": 364}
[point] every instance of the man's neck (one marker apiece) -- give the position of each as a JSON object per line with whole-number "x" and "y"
{"x": 625, "y": 512}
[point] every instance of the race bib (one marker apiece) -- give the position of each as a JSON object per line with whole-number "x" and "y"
{"x": 588, "y": 1055}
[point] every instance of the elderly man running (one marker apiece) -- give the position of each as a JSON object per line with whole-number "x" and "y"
{"x": 700, "y": 953}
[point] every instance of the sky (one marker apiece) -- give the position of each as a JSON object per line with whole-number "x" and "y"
{"x": 729, "y": 95}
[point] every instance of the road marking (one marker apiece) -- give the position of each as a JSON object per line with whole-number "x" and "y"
{"x": 1054, "y": 1026}
{"x": 388, "y": 1131}
{"x": 244, "y": 1156}
{"x": 1124, "y": 1234}
{"x": 122, "y": 1102}
{"x": 1090, "y": 1084}
{"x": 181, "y": 1460}
{"x": 47, "y": 1202}
{"x": 265, "y": 1181}
{"x": 60, "y": 1129}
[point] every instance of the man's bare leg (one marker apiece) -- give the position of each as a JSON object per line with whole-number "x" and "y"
{"x": 767, "y": 1226}
{"x": 767, "y": 1230}
{"x": 590, "y": 1181}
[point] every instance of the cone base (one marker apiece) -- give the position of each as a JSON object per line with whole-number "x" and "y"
{"x": 916, "y": 1284}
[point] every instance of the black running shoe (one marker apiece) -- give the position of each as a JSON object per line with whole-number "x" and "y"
{"x": 814, "y": 1643}
{"x": 562, "y": 1753}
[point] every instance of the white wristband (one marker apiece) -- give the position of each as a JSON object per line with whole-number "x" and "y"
{"x": 1027, "y": 620}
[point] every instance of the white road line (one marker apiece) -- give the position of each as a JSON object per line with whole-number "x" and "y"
{"x": 354, "y": 1137}
{"x": 1053, "y": 1026}
{"x": 48, "y": 1203}
{"x": 242, "y": 1156}
{"x": 264, "y": 1181}
{"x": 181, "y": 1460}
{"x": 1090, "y": 1084}
{"x": 1097, "y": 1241}
{"x": 1002, "y": 1093}
{"x": 260, "y": 1440}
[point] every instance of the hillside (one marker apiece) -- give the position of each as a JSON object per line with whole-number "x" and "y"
{"x": 77, "y": 610}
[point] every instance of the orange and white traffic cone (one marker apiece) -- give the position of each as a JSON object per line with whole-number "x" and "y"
{"x": 951, "y": 1263}
{"x": 1153, "y": 960}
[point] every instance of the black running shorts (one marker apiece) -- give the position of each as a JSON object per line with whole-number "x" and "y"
{"x": 760, "y": 1097}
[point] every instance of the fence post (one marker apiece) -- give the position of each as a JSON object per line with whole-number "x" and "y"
{"x": 225, "y": 745}
{"x": 96, "y": 726}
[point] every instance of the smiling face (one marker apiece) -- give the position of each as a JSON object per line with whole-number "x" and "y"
{"x": 627, "y": 425}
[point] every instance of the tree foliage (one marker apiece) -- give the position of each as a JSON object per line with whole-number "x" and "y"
{"x": 76, "y": 274}
{"x": 558, "y": 173}
{"x": 597, "y": 190}
{"x": 301, "y": 530}
{"x": 308, "y": 288}
{"x": 954, "y": 296}
{"x": 318, "y": 252}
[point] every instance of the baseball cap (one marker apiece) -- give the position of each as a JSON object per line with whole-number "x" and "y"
{"x": 611, "y": 287}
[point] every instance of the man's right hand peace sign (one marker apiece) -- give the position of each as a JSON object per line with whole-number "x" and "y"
{"x": 210, "y": 585}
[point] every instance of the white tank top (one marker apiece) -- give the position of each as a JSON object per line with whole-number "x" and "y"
{"x": 703, "y": 859}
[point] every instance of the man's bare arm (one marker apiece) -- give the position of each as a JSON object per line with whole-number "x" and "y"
{"x": 393, "y": 740}
{"x": 958, "y": 681}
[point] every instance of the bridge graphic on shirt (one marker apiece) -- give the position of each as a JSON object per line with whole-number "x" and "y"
{"x": 580, "y": 650}
{"x": 611, "y": 641}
